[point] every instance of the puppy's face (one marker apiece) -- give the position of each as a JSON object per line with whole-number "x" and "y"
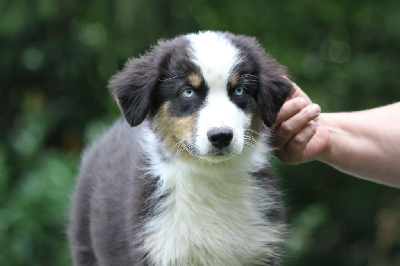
{"x": 207, "y": 95}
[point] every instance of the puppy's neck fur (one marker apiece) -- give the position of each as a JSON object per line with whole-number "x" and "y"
{"x": 207, "y": 214}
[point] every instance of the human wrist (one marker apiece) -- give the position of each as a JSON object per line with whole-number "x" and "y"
{"x": 327, "y": 123}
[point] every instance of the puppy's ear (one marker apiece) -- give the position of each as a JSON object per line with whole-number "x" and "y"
{"x": 274, "y": 89}
{"x": 133, "y": 87}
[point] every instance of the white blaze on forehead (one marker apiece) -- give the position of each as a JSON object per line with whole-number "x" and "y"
{"x": 215, "y": 56}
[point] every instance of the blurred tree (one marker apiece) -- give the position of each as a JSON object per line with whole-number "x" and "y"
{"x": 56, "y": 58}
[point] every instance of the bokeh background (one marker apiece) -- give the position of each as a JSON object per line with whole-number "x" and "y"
{"x": 56, "y": 58}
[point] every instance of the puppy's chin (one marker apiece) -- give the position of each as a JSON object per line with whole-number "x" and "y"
{"x": 218, "y": 158}
{"x": 209, "y": 153}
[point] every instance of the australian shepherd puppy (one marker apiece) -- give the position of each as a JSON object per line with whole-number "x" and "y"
{"x": 185, "y": 178}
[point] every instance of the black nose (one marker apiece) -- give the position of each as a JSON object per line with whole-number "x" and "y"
{"x": 220, "y": 137}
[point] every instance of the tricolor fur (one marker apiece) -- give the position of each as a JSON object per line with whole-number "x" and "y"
{"x": 186, "y": 179}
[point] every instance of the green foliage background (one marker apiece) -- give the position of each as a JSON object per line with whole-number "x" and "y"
{"x": 56, "y": 58}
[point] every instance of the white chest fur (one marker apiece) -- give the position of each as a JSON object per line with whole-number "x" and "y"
{"x": 207, "y": 215}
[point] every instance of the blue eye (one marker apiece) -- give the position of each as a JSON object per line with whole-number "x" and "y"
{"x": 239, "y": 91}
{"x": 188, "y": 93}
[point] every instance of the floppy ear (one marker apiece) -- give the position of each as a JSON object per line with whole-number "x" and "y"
{"x": 133, "y": 86}
{"x": 274, "y": 89}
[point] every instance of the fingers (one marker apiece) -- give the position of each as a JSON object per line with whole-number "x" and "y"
{"x": 295, "y": 128}
{"x": 295, "y": 121}
{"x": 295, "y": 150}
{"x": 290, "y": 108}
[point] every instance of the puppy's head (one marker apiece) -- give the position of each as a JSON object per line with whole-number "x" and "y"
{"x": 207, "y": 95}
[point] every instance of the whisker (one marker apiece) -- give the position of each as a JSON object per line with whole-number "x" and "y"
{"x": 250, "y": 139}
{"x": 175, "y": 77}
{"x": 250, "y": 144}
{"x": 249, "y": 136}
{"x": 253, "y": 131}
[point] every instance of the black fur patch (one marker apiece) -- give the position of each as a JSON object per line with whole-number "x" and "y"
{"x": 246, "y": 101}
{"x": 172, "y": 90}
{"x": 273, "y": 88}
{"x": 135, "y": 86}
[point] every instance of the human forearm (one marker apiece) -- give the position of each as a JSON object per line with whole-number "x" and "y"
{"x": 365, "y": 144}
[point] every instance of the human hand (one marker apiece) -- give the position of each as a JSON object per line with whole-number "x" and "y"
{"x": 300, "y": 135}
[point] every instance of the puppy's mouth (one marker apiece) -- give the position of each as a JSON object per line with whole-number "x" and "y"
{"x": 219, "y": 157}
{"x": 220, "y": 152}
{"x": 212, "y": 155}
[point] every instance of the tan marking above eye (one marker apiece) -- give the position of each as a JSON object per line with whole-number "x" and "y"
{"x": 195, "y": 80}
{"x": 234, "y": 80}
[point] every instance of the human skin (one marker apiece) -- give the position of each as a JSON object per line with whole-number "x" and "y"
{"x": 365, "y": 143}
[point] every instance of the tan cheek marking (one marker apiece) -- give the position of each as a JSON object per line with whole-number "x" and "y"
{"x": 256, "y": 126}
{"x": 173, "y": 130}
{"x": 195, "y": 80}
{"x": 256, "y": 123}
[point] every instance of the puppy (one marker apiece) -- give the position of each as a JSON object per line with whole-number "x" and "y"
{"x": 185, "y": 178}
